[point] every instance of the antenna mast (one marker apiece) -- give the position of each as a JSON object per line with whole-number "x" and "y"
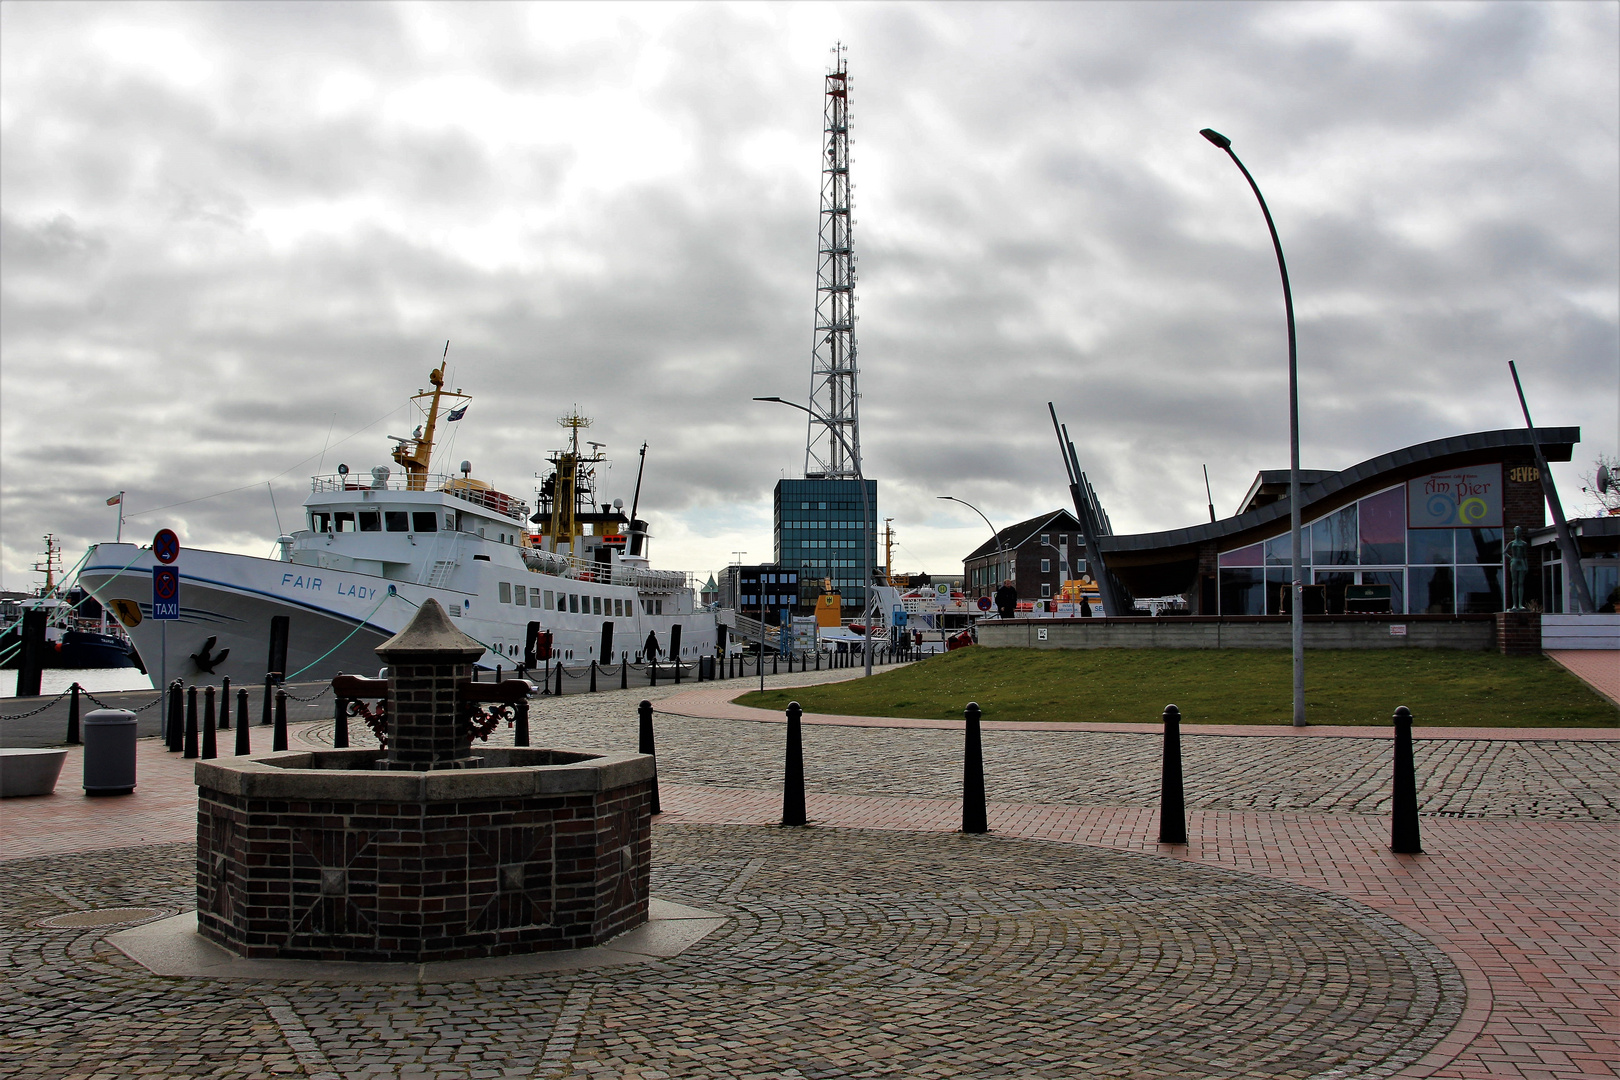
{"x": 833, "y": 395}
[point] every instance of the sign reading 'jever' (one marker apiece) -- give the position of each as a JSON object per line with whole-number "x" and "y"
{"x": 1461, "y": 499}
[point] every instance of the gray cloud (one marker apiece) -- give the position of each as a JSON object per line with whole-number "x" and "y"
{"x": 228, "y": 230}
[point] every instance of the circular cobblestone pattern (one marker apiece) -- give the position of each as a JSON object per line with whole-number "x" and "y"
{"x": 848, "y": 953}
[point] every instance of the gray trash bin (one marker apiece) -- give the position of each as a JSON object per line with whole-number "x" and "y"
{"x": 109, "y": 752}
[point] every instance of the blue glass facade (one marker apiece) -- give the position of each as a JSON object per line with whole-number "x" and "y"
{"x": 818, "y": 532}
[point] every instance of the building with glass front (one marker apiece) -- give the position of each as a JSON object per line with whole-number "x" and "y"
{"x": 819, "y": 533}
{"x": 1419, "y": 531}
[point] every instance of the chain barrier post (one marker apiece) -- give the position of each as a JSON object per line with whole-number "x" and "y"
{"x": 593, "y": 676}
{"x": 244, "y": 745}
{"x": 225, "y": 703}
{"x": 73, "y": 716}
{"x": 210, "y": 740}
{"x": 520, "y": 718}
{"x": 278, "y": 741}
{"x": 190, "y": 750}
{"x": 974, "y": 818}
{"x": 624, "y": 671}
{"x": 340, "y": 725}
{"x": 269, "y": 692}
{"x": 559, "y": 678}
{"x": 652, "y": 670}
{"x": 1172, "y": 805}
{"x": 645, "y": 710}
{"x": 176, "y": 726}
{"x": 1403, "y": 826}
{"x": 793, "y": 778}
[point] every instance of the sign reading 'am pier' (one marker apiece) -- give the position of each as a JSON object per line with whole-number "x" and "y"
{"x": 1461, "y": 499}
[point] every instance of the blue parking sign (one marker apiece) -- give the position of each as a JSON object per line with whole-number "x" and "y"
{"x": 165, "y": 592}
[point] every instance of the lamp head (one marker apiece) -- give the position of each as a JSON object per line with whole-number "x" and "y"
{"x": 1216, "y": 137}
{"x": 767, "y": 399}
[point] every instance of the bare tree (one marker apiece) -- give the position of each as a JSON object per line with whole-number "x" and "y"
{"x": 1601, "y": 485}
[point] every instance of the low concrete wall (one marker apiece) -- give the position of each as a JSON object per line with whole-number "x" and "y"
{"x": 1580, "y": 632}
{"x": 1475, "y": 633}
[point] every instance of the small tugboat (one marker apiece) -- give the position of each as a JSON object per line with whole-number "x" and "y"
{"x": 77, "y": 634}
{"x": 570, "y": 584}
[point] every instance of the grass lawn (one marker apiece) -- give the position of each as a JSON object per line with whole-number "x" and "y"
{"x": 1443, "y": 688}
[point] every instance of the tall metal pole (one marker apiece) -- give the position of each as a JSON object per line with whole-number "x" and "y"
{"x": 1297, "y": 608}
{"x": 868, "y": 526}
{"x": 1574, "y": 576}
{"x": 994, "y": 534}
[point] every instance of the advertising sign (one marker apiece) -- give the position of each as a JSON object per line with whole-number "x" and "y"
{"x": 1461, "y": 499}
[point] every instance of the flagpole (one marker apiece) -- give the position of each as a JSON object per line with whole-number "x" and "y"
{"x": 119, "y": 539}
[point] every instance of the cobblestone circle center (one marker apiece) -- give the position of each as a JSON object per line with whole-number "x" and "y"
{"x": 848, "y": 953}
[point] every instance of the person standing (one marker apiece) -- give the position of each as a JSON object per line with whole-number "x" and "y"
{"x": 1006, "y": 600}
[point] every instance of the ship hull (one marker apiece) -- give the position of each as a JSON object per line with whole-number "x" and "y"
{"x": 336, "y": 619}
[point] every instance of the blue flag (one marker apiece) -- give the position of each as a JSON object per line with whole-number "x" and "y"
{"x": 456, "y": 414}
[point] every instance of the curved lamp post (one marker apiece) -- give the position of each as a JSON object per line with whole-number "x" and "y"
{"x": 866, "y": 514}
{"x": 1001, "y": 564}
{"x": 1297, "y": 608}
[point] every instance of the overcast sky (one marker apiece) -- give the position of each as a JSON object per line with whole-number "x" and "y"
{"x": 236, "y": 237}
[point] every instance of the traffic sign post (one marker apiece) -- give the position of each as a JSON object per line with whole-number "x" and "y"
{"x": 165, "y": 605}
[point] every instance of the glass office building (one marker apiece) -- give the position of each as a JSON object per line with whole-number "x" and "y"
{"x": 819, "y": 533}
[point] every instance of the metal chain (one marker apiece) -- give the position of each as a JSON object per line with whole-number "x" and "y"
{"x": 42, "y": 708}
{"x": 104, "y": 705}
{"x": 327, "y": 689}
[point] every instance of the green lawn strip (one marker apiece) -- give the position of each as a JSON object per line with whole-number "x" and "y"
{"x": 1443, "y": 688}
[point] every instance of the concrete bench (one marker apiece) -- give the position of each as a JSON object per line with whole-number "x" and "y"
{"x": 29, "y": 772}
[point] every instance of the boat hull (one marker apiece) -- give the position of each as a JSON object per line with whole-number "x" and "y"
{"x": 336, "y": 619}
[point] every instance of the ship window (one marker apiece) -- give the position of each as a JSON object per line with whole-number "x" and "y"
{"x": 506, "y": 593}
{"x": 658, "y": 607}
{"x": 370, "y": 521}
{"x": 573, "y": 603}
{"x": 549, "y": 604}
{"x": 396, "y": 521}
{"x": 523, "y": 599}
{"x": 425, "y": 521}
{"x": 596, "y": 605}
{"x": 343, "y": 521}
{"x": 320, "y": 522}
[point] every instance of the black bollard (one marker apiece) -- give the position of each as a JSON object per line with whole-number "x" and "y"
{"x": 652, "y": 670}
{"x": 244, "y": 746}
{"x": 191, "y": 748}
{"x": 1172, "y": 806}
{"x": 520, "y": 734}
{"x": 974, "y": 819}
{"x": 177, "y": 727}
{"x": 497, "y": 673}
{"x": 593, "y": 676}
{"x": 559, "y": 678}
{"x": 269, "y": 693}
{"x": 776, "y": 658}
{"x": 73, "y": 715}
{"x": 278, "y": 741}
{"x": 624, "y": 671}
{"x": 645, "y": 710}
{"x": 210, "y": 743}
{"x": 818, "y": 659}
{"x": 793, "y": 779}
{"x": 225, "y": 703}
{"x": 1403, "y": 825}
{"x": 340, "y": 724}
{"x": 677, "y": 671}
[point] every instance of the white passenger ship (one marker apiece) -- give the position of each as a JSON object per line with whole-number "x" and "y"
{"x": 569, "y": 585}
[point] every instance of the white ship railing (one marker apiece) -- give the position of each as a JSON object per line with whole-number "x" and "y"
{"x": 577, "y": 569}
{"x": 499, "y": 502}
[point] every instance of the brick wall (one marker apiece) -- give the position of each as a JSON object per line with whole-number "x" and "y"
{"x": 1518, "y": 633}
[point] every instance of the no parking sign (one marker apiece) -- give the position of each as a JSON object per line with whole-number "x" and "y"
{"x": 166, "y": 578}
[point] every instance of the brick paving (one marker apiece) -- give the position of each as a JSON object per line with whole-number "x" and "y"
{"x": 1284, "y": 940}
{"x": 1598, "y": 668}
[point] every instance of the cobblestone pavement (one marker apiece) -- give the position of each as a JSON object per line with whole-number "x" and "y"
{"x": 849, "y": 953}
{"x": 1551, "y": 780}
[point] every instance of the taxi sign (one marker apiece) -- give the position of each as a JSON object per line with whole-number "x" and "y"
{"x": 166, "y": 546}
{"x": 165, "y": 592}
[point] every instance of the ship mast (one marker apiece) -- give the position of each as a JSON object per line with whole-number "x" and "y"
{"x": 415, "y": 453}
{"x": 888, "y": 551}
{"x": 52, "y": 564}
{"x": 569, "y": 481}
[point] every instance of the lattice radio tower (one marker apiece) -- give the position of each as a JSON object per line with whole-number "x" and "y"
{"x": 834, "y": 400}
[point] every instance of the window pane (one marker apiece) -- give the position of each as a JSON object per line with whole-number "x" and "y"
{"x": 1280, "y": 549}
{"x": 505, "y": 591}
{"x": 1396, "y": 580}
{"x": 344, "y": 520}
{"x": 1432, "y": 590}
{"x": 1335, "y": 539}
{"x": 425, "y": 521}
{"x": 1333, "y": 583}
{"x": 1604, "y": 581}
{"x": 1383, "y": 528}
{"x": 1479, "y": 545}
{"x": 321, "y": 522}
{"x": 573, "y": 603}
{"x": 1249, "y": 556}
{"x": 396, "y": 521}
{"x": 596, "y": 605}
{"x": 1479, "y": 589}
{"x": 370, "y": 521}
{"x": 1429, "y": 547}
{"x": 1243, "y": 592}
{"x": 548, "y": 604}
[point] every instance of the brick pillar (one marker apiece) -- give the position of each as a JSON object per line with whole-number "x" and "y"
{"x": 426, "y": 662}
{"x": 1518, "y": 633}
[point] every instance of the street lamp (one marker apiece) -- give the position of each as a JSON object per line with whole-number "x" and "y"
{"x": 866, "y": 514}
{"x": 995, "y": 535}
{"x": 1297, "y": 608}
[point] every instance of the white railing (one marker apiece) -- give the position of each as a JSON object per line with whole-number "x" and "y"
{"x": 438, "y": 483}
{"x": 560, "y": 565}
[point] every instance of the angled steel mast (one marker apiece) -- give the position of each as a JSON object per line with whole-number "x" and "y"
{"x": 833, "y": 396}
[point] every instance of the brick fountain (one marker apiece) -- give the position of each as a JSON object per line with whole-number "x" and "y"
{"x": 422, "y": 851}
